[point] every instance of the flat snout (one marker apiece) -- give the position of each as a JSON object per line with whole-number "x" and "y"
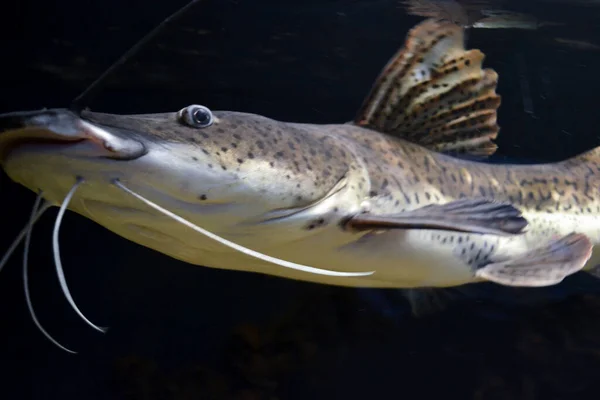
{"x": 62, "y": 122}
{"x": 63, "y": 127}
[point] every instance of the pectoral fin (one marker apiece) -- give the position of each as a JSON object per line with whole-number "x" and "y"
{"x": 464, "y": 215}
{"x": 543, "y": 266}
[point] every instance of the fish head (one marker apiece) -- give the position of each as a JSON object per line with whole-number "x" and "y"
{"x": 220, "y": 169}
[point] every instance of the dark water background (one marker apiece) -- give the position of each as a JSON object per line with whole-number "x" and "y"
{"x": 183, "y": 332}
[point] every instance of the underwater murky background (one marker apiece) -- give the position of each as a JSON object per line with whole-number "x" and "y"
{"x": 185, "y": 332}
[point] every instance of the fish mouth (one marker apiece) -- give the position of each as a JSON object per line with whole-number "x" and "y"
{"x": 60, "y": 128}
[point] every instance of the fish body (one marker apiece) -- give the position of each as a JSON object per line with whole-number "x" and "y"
{"x": 374, "y": 194}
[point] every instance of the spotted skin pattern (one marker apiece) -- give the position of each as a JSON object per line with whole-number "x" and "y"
{"x": 285, "y": 189}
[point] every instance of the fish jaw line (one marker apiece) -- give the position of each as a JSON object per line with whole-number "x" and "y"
{"x": 49, "y": 150}
{"x": 60, "y": 127}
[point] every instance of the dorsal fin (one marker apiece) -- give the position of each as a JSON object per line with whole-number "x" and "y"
{"x": 434, "y": 92}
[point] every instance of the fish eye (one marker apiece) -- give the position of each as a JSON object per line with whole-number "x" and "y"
{"x": 196, "y": 116}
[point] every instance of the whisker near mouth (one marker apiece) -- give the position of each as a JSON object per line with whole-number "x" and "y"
{"x": 235, "y": 246}
{"x": 35, "y": 212}
{"x": 56, "y": 249}
{"x": 39, "y": 208}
